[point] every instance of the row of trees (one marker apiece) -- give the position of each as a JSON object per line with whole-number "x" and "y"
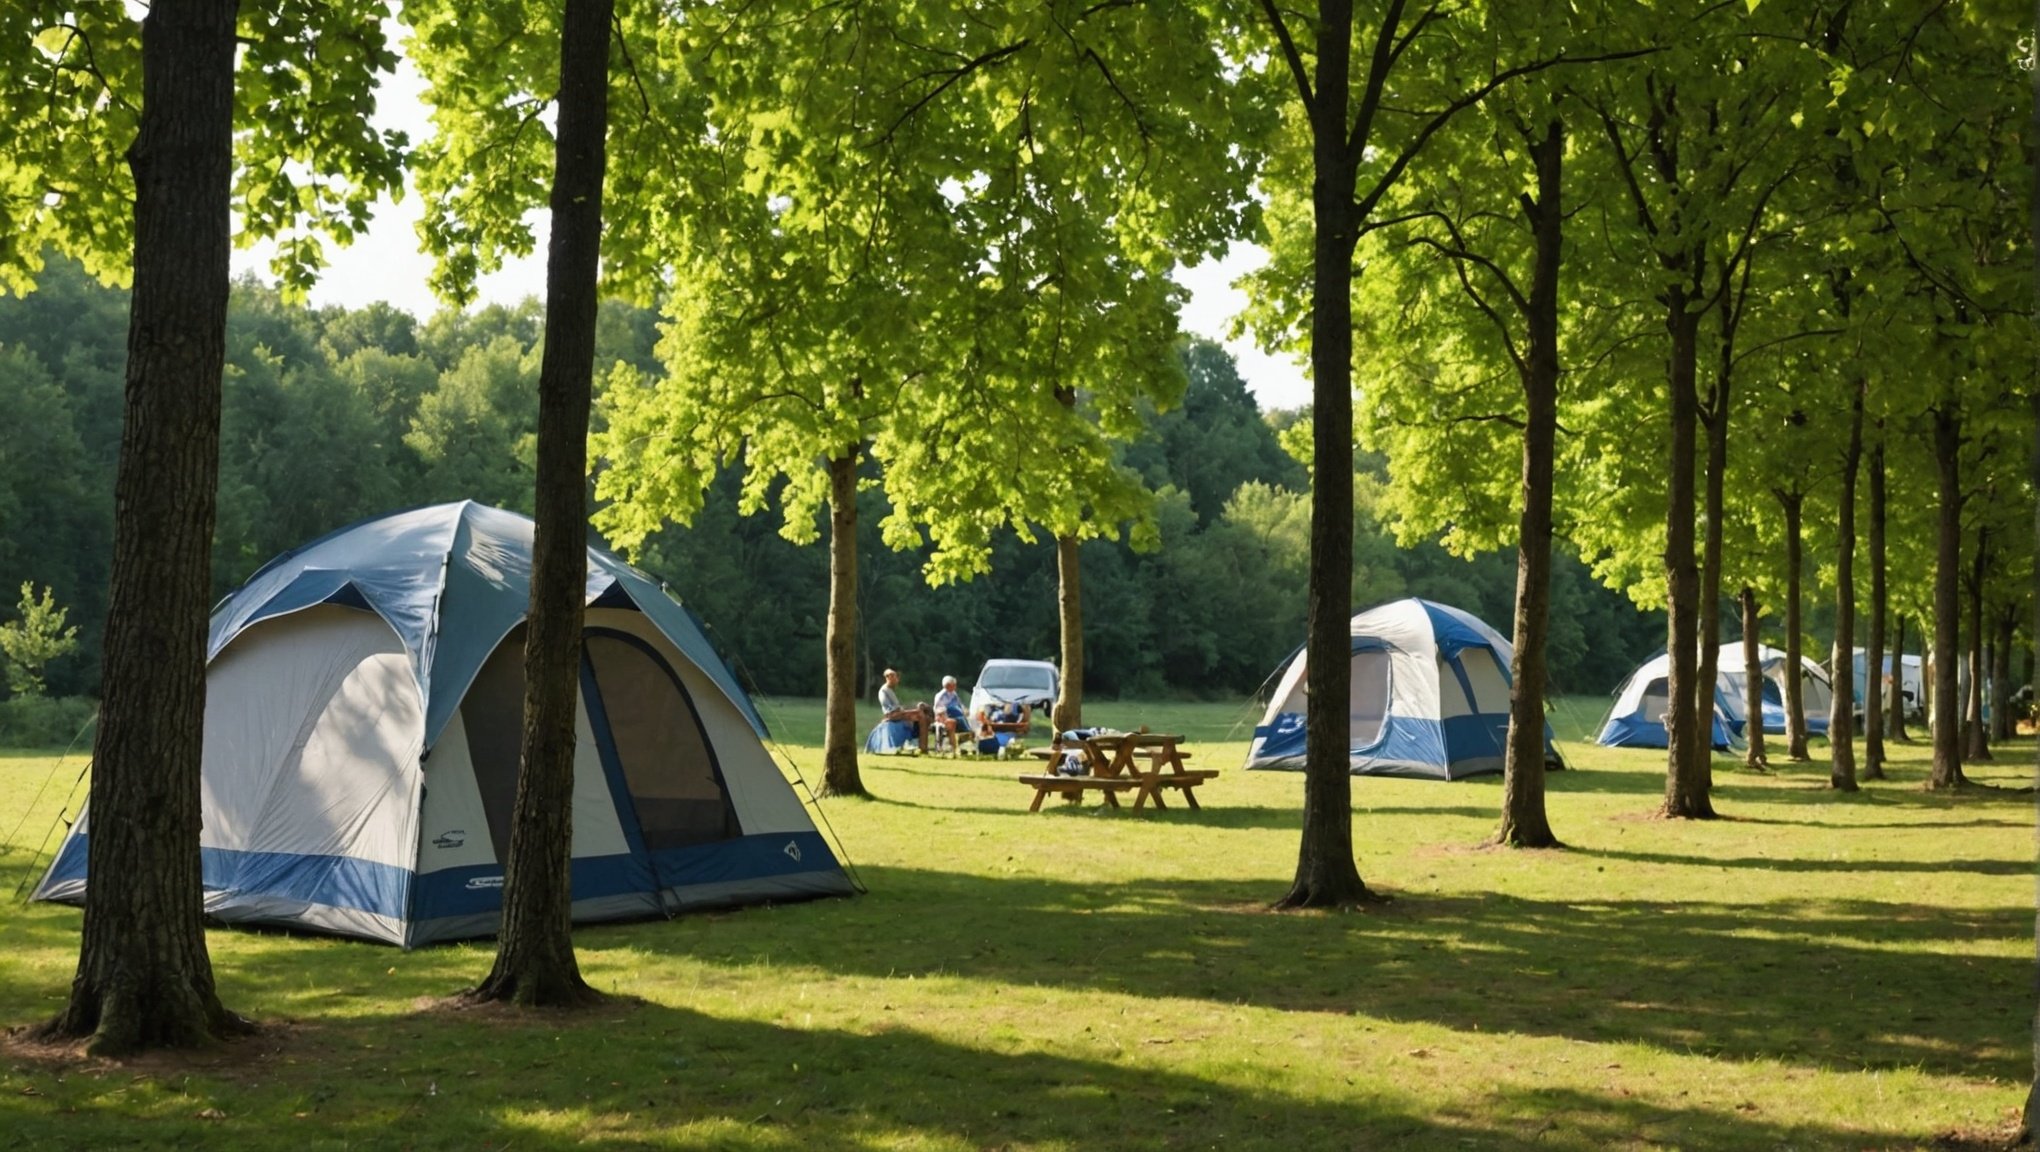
{"x": 930, "y": 257}
{"x": 1747, "y": 258}
{"x": 333, "y": 415}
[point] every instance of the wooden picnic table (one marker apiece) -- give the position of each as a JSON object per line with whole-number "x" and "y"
{"x": 1114, "y": 764}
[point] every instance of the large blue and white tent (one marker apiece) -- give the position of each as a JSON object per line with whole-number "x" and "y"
{"x": 364, "y": 699}
{"x": 1429, "y": 698}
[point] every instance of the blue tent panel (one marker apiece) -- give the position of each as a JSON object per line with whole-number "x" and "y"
{"x": 1636, "y": 732}
{"x": 890, "y": 736}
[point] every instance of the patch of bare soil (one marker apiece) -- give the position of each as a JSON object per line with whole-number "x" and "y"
{"x": 609, "y": 1007}
{"x": 237, "y": 1057}
{"x": 2005, "y": 1137}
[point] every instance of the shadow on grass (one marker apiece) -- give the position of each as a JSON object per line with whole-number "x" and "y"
{"x": 1738, "y": 981}
{"x": 656, "y": 1074}
{"x": 1804, "y": 864}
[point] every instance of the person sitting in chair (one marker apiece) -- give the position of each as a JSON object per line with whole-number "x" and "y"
{"x": 949, "y": 709}
{"x": 890, "y": 711}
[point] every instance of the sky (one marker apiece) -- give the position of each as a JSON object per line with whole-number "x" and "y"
{"x": 385, "y": 264}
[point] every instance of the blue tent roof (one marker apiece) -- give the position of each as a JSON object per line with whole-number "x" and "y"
{"x": 453, "y": 580}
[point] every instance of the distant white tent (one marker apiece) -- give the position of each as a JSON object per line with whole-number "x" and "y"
{"x": 1816, "y": 692}
{"x": 1429, "y": 697}
{"x": 1912, "y": 681}
{"x": 364, "y": 697}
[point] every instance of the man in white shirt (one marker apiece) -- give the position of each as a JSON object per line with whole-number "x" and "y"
{"x": 889, "y": 708}
{"x": 949, "y": 708}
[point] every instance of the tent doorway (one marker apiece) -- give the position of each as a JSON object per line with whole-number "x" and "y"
{"x": 646, "y": 728}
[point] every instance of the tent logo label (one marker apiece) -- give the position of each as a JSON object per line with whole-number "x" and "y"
{"x": 792, "y": 849}
{"x": 480, "y": 883}
{"x": 453, "y": 839}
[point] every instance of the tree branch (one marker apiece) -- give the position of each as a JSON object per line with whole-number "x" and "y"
{"x": 1289, "y": 53}
{"x": 1367, "y": 204}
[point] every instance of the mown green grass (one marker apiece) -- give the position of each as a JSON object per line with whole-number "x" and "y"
{"x": 1818, "y": 971}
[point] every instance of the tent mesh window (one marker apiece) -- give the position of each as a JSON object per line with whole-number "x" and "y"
{"x": 1368, "y": 696}
{"x": 493, "y": 713}
{"x": 1656, "y": 696}
{"x": 674, "y": 780}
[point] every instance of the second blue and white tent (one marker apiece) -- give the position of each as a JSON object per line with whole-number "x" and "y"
{"x": 1429, "y": 698}
{"x": 1637, "y": 719}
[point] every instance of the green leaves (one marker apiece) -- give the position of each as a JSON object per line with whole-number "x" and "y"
{"x": 308, "y": 165}
{"x": 35, "y": 637}
{"x": 947, "y": 241}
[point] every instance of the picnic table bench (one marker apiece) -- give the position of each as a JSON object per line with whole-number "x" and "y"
{"x": 1112, "y": 765}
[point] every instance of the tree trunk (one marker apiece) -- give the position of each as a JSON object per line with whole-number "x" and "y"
{"x": 1873, "y": 657}
{"x": 1842, "y": 678}
{"x": 1894, "y": 713}
{"x": 535, "y": 963}
{"x": 1326, "y": 875}
{"x": 1945, "y": 719}
{"x": 1524, "y": 821}
{"x": 2001, "y": 674}
{"x": 1069, "y": 702}
{"x": 1708, "y": 673}
{"x": 839, "y": 734}
{"x": 1688, "y": 737}
{"x": 2031, "y": 1115}
{"x": 1753, "y": 685}
{"x": 144, "y": 979}
{"x": 1794, "y": 504}
{"x": 1978, "y": 747}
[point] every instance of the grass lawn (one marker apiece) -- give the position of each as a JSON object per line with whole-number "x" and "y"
{"x": 1816, "y": 972}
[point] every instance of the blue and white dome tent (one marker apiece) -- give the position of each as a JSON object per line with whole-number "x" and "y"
{"x": 1638, "y": 717}
{"x": 364, "y": 701}
{"x": 1430, "y": 697}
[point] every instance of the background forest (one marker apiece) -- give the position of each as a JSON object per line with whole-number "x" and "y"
{"x": 332, "y": 415}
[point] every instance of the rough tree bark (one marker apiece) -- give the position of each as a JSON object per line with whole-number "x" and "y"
{"x": 1794, "y": 504}
{"x": 2030, "y": 1116}
{"x": 1525, "y": 823}
{"x": 1753, "y": 685}
{"x": 1069, "y": 701}
{"x": 1688, "y": 738}
{"x": 1880, "y": 603}
{"x": 144, "y": 979}
{"x": 1841, "y": 708}
{"x": 1977, "y": 745}
{"x": 1945, "y": 719}
{"x": 1713, "y": 418}
{"x": 839, "y": 736}
{"x": 1069, "y": 603}
{"x": 1326, "y": 875}
{"x": 535, "y": 963}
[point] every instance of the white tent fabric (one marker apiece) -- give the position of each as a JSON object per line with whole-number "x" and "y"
{"x": 332, "y": 800}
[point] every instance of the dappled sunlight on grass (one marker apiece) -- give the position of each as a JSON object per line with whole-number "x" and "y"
{"x": 1815, "y": 971}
